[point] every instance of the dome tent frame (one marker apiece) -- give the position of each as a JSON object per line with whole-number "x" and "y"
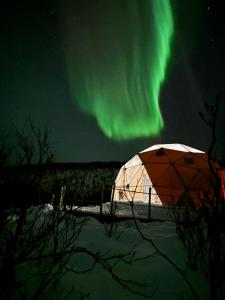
{"x": 167, "y": 173}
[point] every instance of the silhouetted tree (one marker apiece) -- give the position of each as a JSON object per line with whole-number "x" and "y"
{"x": 39, "y": 245}
{"x": 202, "y": 230}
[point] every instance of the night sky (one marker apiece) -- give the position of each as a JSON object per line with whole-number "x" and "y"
{"x": 91, "y": 70}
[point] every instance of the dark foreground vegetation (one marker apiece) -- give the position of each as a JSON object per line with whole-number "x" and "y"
{"x": 31, "y": 232}
{"x": 202, "y": 229}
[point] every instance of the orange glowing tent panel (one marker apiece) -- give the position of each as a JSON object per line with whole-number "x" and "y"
{"x": 170, "y": 173}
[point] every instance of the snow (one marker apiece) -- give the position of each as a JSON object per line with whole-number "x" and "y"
{"x": 124, "y": 209}
{"x": 160, "y": 278}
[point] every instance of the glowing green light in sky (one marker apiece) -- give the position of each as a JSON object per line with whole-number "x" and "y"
{"x": 117, "y": 55}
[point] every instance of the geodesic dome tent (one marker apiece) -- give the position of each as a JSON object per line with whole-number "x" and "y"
{"x": 167, "y": 173}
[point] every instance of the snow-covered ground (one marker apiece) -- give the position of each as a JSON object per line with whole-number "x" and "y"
{"x": 161, "y": 280}
{"x": 124, "y": 209}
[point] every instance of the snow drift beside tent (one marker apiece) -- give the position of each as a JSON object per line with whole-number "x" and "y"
{"x": 169, "y": 173}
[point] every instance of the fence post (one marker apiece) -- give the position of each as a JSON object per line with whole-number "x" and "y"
{"x": 62, "y": 196}
{"x": 112, "y": 197}
{"x": 149, "y": 203}
{"x": 101, "y": 200}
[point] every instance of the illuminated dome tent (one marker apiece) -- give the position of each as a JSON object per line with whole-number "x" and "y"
{"x": 170, "y": 173}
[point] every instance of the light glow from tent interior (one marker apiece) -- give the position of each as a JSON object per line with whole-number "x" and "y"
{"x": 118, "y": 63}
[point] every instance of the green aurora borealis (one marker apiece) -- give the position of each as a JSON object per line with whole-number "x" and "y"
{"x": 118, "y": 63}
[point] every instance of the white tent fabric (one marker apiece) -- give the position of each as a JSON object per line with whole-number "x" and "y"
{"x": 178, "y": 147}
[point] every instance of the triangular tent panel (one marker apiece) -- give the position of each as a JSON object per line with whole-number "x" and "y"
{"x": 165, "y": 173}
